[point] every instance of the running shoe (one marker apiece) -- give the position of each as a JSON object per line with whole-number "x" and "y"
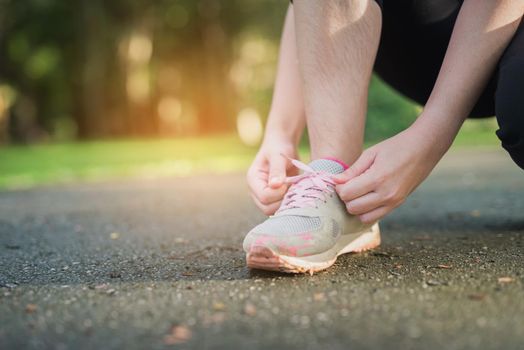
{"x": 311, "y": 228}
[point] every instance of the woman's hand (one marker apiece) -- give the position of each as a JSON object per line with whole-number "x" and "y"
{"x": 267, "y": 174}
{"x": 285, "y": 125}
{"x": 385, "y": 174}
{"x": 388, "y": 172}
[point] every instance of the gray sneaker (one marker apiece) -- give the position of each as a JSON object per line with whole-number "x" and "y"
{"x": 311, "y": 228}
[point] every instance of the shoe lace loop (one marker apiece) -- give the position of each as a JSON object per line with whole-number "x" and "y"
{"x": 307, "y": 187}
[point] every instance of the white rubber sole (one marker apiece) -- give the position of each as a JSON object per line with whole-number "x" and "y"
{"x": 264, "y": 258}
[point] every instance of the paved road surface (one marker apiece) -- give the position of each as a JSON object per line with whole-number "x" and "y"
{"x": 157, "y": 264}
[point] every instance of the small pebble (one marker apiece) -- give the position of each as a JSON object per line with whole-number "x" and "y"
{"x": 250, "y": 309}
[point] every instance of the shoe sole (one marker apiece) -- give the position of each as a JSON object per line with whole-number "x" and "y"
{"x": 263, "y": 258}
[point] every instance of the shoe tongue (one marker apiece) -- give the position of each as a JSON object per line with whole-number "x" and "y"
{"x": 327, "y": 165}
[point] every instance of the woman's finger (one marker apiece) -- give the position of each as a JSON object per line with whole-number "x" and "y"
{"x": 358, "y": 187}
{"x": 374, "y": 215}
{"x": 277, "y": 171}
{"x": 258, "y": 183}
{"x": 268, "y": 209}
{"x": 365, "y": 203}
{"x": 363, "y": 163}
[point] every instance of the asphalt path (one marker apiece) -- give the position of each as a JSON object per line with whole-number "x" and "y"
{"x": 152, "y": 264}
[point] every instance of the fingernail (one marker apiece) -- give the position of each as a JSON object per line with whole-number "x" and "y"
{"x": 274, "y": 180}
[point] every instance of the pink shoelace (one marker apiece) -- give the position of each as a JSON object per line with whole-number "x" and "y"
{"x": 307, "y": 187}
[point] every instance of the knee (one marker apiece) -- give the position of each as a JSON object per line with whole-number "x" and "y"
{"x": 509, "y": 108}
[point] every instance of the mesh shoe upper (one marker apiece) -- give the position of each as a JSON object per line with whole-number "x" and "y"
{"x": 289, "y": 224}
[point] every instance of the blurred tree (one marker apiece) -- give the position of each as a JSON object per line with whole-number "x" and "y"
{"x": 98, "y": 69}
{"x": 30, "y": 62}
{"x": 103, "y": 67}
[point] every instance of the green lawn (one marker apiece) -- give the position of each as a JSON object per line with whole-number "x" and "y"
{"x": 28, "y": 166}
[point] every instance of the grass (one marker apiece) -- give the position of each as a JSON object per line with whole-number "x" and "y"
{"x": 29, "y": 166}
{"x": 478, "y": 133}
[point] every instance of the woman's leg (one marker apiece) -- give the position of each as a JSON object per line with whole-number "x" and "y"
{"x": 337, "y": 42}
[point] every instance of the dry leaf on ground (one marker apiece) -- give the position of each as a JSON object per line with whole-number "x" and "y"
{"x": 443, "y": 266}
{"x": 30, "y": 308}
{"x": 179, "y": 334}
{"x": 250, "y": 309}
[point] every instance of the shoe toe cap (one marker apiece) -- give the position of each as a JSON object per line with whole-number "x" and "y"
{"x": 298, "y": 244}
{"x": 291, "y": 236}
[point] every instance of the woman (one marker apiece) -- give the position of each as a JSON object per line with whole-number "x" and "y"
{"x": 457, "y": 58}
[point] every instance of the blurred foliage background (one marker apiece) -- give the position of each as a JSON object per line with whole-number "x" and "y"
{"x": 89, "y": 69}
{"x": 123, "y": 70}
